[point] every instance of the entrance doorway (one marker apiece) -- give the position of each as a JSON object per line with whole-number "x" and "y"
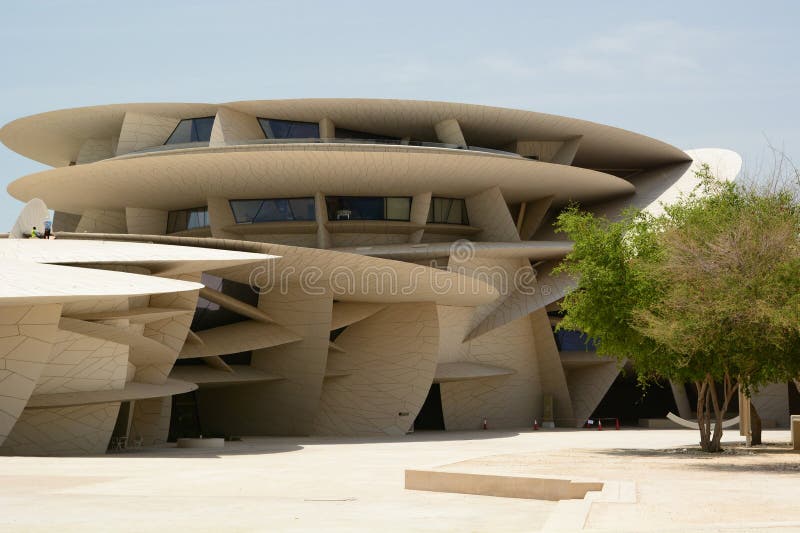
{"x": 431, "y": 417}
{"x": 185, "y": 418}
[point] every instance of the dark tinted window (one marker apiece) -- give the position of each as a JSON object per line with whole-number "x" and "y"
{"x": 368, "y": 208}
{"x": 272, "y": 210}
{"x": 288, "y": 129}
{"x": 448, "y": 211}
{"x": 192, "y": 130}
{"x": 573, "y": 341}
{"x": 187, "y": 219}
{"x": 209, "y": 315}
{"x": 342, "y": 133}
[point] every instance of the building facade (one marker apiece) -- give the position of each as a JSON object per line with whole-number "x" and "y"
{"x": 319, "y": 266}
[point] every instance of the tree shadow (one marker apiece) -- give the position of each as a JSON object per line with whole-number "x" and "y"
{"x": 724, "y": 461}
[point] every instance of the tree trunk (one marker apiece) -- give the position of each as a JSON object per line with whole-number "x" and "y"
{"x": 755, "y": 426}
{"x": 710, "y": 408}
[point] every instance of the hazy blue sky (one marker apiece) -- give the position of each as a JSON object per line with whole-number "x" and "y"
{"x": 695, "y": 74}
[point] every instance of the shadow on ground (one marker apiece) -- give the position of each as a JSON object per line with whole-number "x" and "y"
{"x": 268, "y": 445}
{"x": 735, "y": 457}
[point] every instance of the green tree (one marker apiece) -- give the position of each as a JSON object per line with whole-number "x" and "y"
{"x": 709, "y": 292}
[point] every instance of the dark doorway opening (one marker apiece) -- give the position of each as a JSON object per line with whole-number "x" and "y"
{"x": 794, "y": 399}
{"x": 431, "y": 417}
{"x": 185, "y": 418}
{"x": 123, "y": 423}
{"x": 626, "y": 400}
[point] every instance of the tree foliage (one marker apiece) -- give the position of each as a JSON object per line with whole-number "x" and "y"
{"x": 708, "y": 292}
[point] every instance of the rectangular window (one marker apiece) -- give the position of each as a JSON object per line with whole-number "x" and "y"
{"x": 288, "y": 129}
{"x": 448, "y": 211}
{"x": 368, "y": 208}
{"x": 342, "y": 133}
{"x": 273, "y": 210}
{"x": 186, "y": 219}
{"x": 192, "y": 130}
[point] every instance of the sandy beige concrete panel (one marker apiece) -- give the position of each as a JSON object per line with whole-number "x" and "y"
{"x": 169, "y": 332}
{"x": 140, "y": 220}
{"x": 206, "y": 376}
{"x": 488, "y": 211}
{"x": 327, "y": 129}
{"x": 144, "y": 349}
{"x": 662, "y": 185}
{"x": 449, "y": 131}
{"x": 535, "y": 212}
{"x": 554, "y": 380}
{"x": 144, "y": 131}
{"x": 237, "y": 306}
{"x": 95, "y": 150}
{"x": 160, "y": 260}
{"x": 539, "y": 288}
{"x": 371, "y": 238}
{"x": 541, "y": 150}
{"x": 507, "y": 401}
{"x": 566, "y": 153}
{"x": 133, "y": 391}
{"x": 285, "y": 407}
{"x": 321, "y": 217}
{"x": 63, "y": 221}
{"x": 220, "y": 217}
{"x": 238, "y": 337}
{"x": 587, "y": 386}
{"x": 772, "y": 404}
{"x": 150, "y": 421}
{"x": 446, "y": 372}
{"x": 184, "y": 178}
{"x": 510, "y": 486}
{"x": 357, "y": 278}
{"x": 420, "y": 208}
{"x": 102, "y": 220}
{"x": 347, "y": 313}
{"x": 386, "y": 371}
{"x": 79, "y": 430}
{"x": 138, "y": 315}
{"x": 81, "y": 363}
{"x": 231, "y": 126}
{"x": 535, "y": 250}
{"x": 85, "y": 284}
{"x": 55, "y": 137}
{"x": 26, "y": 337}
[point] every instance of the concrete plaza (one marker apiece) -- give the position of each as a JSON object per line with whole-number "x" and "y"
{"x": 277, "y": 484}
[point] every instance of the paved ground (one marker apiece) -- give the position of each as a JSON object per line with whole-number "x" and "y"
{"x": 357, "y": 484}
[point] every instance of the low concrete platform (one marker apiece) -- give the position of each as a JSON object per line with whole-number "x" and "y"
{"x": 506, "y": 486}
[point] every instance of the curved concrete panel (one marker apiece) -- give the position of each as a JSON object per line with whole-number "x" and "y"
{"x": 385, "y": 374}
{"x": 56, "y": 137}
{"x": 446, "y": 372}
{"x": 285, "y": 171}
{"x": 33, "y": 215}
{"x": 132, "y": 391}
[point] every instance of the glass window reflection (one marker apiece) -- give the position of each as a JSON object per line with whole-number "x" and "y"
{"x": 187, "y": 219}
{"x": 368, "y": 208}
{"x": 192, "y": 130}
{"x": 448, "y": 211}
{"x": 288, "y": 129}
{"x": 273, "y": 210}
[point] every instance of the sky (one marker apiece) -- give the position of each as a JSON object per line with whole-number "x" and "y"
{"x": 694, "y": 74}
